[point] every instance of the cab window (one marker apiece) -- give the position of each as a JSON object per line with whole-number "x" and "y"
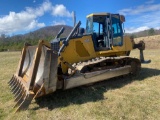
{"x": 117, "y": 32}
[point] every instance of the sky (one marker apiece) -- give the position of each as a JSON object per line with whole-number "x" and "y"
{"x": 23, "y": 16}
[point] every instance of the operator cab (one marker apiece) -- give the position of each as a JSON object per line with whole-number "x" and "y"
{"x": 106, "y": 30}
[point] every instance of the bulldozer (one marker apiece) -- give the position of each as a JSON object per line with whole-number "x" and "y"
{"x": 85, "y": 56}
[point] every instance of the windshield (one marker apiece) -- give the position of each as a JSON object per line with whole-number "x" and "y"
{"x": 95, "y": 24}
{"x": 117, "y": 29}
{"x": 106, "y": 29}
{"x": 98, "y": 28}
{"x": 89, "y": 26}
{"x": 117, "y": 32}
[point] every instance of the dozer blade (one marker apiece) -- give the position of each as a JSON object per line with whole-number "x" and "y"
{"x": 36, "y": 74}
{"x": 22, "y": 95}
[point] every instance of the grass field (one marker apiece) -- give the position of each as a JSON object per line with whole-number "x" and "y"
{"x": 136, "y": 97}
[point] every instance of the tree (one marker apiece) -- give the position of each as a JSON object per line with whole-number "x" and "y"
{"x": 3, "y": 36}
{"x": 133, "y": 36}
{"x": 151, "y": 31}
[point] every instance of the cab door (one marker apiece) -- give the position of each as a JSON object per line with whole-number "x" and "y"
{"x": 117, "y": 32}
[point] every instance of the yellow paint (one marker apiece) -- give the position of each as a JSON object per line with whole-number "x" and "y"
{"x": 97, "y": 14}
{"x": 118, "y": 50}
{"x": 128, "y": 43}
{"x": 71, "y": 55}
{"x": 81, "y": 49}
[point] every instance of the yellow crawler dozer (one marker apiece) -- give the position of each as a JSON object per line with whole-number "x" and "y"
{"x": 99, "y": 52}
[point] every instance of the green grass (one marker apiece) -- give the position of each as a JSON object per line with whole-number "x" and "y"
{"x": 136, "y": 97}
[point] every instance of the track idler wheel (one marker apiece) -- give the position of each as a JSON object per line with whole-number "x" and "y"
{"x": 135, "y": 67}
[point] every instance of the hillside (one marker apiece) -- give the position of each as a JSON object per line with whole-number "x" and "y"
{"x": 47, "y": 33}
{"x": 144, "y": 33}
{"x": 152, "y": 42}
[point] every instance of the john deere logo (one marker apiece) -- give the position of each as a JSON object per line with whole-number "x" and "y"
{"x": 87, "y": 40}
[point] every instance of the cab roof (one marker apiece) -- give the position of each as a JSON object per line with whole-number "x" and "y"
{"x": 103, "y": 13}
{"x": 122, "y": 18}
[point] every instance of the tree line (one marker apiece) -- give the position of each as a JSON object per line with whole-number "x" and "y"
{"x": 15, "y": 43}
{"x": 144, "y": 33}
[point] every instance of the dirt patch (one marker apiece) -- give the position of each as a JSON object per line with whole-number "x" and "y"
{"x": 152, "y": 42}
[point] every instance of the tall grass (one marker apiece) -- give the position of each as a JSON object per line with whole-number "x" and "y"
{"x": 128, "y": 97}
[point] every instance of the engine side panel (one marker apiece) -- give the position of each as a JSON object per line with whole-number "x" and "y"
{"x": 82, "y": 49}
{"x": 78, "y": 49}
